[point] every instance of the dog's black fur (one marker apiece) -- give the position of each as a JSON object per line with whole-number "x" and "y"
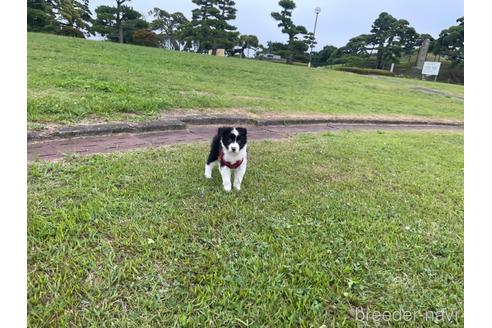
{"x": 225, "y": 135}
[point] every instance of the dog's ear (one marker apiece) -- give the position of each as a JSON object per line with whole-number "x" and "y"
{"x": 223, "y": 130}
{"x": 242, "y": 131}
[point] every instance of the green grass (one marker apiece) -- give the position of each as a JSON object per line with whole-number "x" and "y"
{"x": 331, "y": 223}
{"x": 70, "y": 80}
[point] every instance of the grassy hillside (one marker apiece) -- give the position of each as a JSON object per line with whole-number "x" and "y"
{"x": 141, "y": 239}
{"x": 70, "y": 80}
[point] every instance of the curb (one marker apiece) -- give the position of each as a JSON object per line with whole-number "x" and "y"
{"x": 80, "y": 130}
{"x": 220, "y": 119}
{"x": 181, "y": 123}
{"x": 110, "y": 128}
{"x": 352, "y": 121}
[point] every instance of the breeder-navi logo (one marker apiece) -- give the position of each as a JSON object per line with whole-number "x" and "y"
{"x": 437, "y": 317}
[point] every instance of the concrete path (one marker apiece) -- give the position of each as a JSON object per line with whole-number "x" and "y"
{"x": 57, "y": 148}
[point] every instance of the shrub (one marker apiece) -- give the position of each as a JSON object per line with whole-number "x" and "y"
{"x": 146, "y": 38}
{"x": 71, "y": 31}
{"x": 355, "y": 61}
{"x": 365, "y": 71}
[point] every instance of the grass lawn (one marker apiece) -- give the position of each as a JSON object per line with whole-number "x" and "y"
{"x": 71, "y": 80}
{"x": 331, "y": 223}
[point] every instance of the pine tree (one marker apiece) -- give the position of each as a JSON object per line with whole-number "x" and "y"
{"x": 121, "y": 14}
{"x": 389, "y": 34}
{"x": 203, "y": 20}
{"x": 41, "y": 16}
{"x": 451, "y": 43}
{"x": 74, "y": 16}
{"x": 120, "y": 18}
{"x": 226, "y": 36}
{"x": 209, "y": 26}
{"x": 170, "y": 26}
{"x": 288, "y": 27}
{"x": 118, "y": 27}
{"x": 66, "y": 17}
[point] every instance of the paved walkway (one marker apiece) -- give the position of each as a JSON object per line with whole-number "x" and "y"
{"x": 57, "y": 148}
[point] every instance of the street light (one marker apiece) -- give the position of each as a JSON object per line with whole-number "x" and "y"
{"x": 317, "y": 10}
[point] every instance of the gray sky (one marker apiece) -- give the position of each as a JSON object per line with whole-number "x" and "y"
{"x": 338, "y": 22}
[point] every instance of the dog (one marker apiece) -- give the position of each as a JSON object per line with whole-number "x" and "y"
{"x": 229, "y": 151}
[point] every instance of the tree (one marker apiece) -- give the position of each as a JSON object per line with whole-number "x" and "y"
{"x": 146, "y": 38}
{"x": 247, "y": 42}
{"x": 360, "y": 45}
{"x": 74, "y": 17}
{"x": 322, "y": 57}
{"x": 106, "y": 23}
{"x": 422, "y": 37}
{"x": 451, "y": 43}
{"x": 203, "y": 19}
{"x": 226, "y": 33}
{"x": 310, "y": 40}
{"x": 171, "y": 27}
{"x": 133, "y": 25}
{"x": 389, "y": 35}
{"x": 358, "y": 50}
{"x": 65, "y": 17}
{"x": 409, "y": 40}
{"x": 209, "y": 28}
{"x": 299, "y": 50}
{"x": 284, "y": 17}
{"x": 41, "y": 16}
{"x": 335, "y": 56}
{"x": 110, "y": 18}
{"x": 120, "y": 18}
{"x": 278, "y": 48}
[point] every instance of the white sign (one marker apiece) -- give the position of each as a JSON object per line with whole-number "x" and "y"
{"x": 431, "y": 68}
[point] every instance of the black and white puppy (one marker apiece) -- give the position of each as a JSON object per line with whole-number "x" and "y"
{"x": 228, "y": 151}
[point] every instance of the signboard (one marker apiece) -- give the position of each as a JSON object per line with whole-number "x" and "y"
{"x": 431, "y": 68}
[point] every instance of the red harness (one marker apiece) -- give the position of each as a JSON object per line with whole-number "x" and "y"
{"x": 230, "y": 165}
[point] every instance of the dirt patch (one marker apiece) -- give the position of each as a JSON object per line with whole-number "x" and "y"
{"x": 438, "y": 92}
{"x": 419, "y": 88}
{"x": 249, "y": 97}
{"x": 183, "y": 112}
{"x": 197, "y": 93}
{"x": 43, "y": 127}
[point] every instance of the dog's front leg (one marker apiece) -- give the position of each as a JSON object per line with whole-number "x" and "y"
{"x": 208, "y": 169}
{"x": 238, "y": 177}
{"x": 225, "y": 172}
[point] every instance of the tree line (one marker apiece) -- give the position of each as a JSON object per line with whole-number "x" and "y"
{"x": 390, "y": 39}
{"x": 210, "y": 28}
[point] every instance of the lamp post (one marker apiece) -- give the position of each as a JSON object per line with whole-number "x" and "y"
{"x": 317, "y": 10}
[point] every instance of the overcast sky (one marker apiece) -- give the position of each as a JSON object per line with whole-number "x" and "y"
{"x": 339, "y": 20}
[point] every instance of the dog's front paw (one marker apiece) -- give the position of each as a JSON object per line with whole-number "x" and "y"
{"x": 227, "y": 188}
{"x": 208, "y": 171}
{"x": 237, "y": 187}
